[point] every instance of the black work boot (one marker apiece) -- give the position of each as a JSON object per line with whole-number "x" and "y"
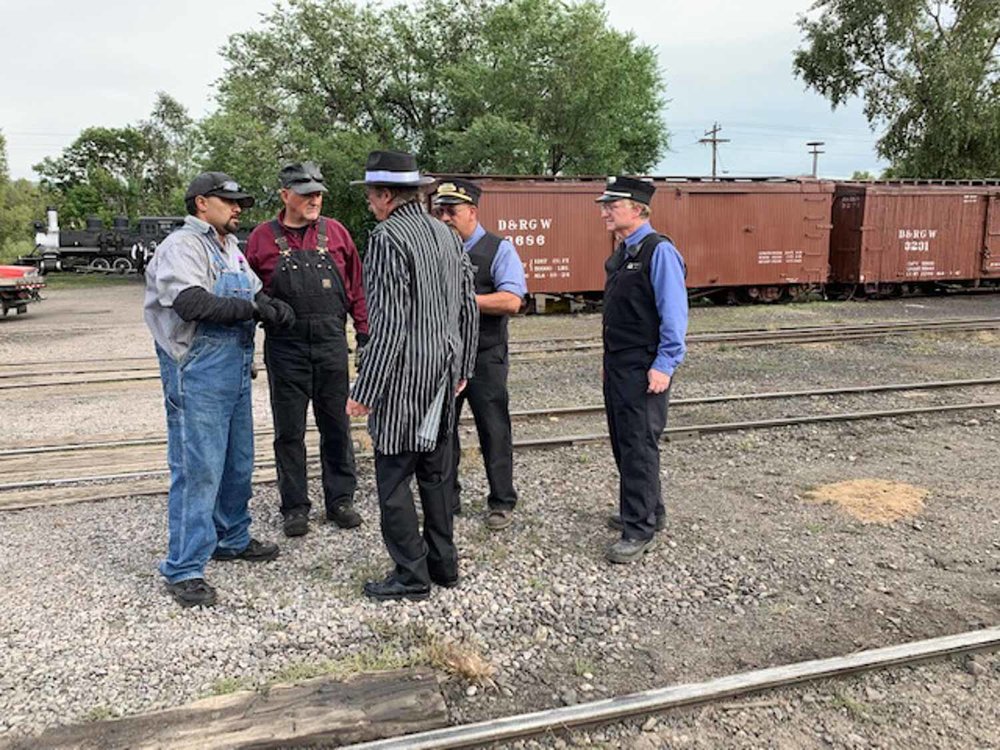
{"x": 255, "y": 551}
{"x": 392, "y": 588}
{"x": 194, "y": 592}
{"x": 344, "y": 516}
{"x": 628, "y": 550}
{"x": 296, "y": 524}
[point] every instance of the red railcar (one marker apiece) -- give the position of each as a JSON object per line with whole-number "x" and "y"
{"x": 761, "y": 238}
{"x": 900, "y": 237}
{"x": 741, "y": 238}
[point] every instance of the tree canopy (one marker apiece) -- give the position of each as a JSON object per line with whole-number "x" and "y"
{"x": 128, "y": 171}
{"x": 929, "y": 74}
{"x": 499, "y": 86}
{"x": 21, "y": 204}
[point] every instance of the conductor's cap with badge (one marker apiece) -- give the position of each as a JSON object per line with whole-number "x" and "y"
{"x": 457, "y": 191}
{"x": 627, "y": 188}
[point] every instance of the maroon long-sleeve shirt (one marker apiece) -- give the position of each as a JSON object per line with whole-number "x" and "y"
{"x": 262, "y": 254}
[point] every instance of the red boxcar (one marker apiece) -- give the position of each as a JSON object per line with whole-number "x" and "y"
{"x": 906, "y": 237}
{"x": 760, "y": 238}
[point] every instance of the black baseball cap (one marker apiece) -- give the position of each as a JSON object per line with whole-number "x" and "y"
{"x": 303, "y": 178}
{"x": 221, "y": 185}
{"x": 457, "y": 191}
{"x": 627, "y": 188}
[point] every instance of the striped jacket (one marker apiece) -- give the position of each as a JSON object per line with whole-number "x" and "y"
{"x": 423, "y": 323}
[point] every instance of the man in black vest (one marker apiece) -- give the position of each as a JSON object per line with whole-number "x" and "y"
{"x": 500, "y": 287}
{"x": 645, "y": 322}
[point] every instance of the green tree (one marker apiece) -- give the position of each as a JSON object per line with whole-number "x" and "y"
{"x": 929, "y": 74}
{"x": 129, "y": 171}
{"x": 21, "y": 204}
{"x": 514, "y": 86}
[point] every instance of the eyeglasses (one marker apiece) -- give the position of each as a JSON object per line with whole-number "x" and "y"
{"x": 444, "y": 210}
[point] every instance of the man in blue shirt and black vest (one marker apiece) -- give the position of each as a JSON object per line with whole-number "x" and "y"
{"x": 645, "y": 322}
{"x": 500, "y": 288}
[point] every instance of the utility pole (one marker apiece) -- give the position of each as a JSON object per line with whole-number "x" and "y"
{"x": 815, "y": 152}
{"x": 712, "y": 137}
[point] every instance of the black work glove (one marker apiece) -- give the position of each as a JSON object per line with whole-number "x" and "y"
{"x": 274, "y": 312}
{"x": 362, "y": 340}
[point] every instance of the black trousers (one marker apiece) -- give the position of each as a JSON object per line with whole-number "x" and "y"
{"x": 636, "y": 420}
{"x": 418, "y": 555}
{"x": 302, "y": 368}
{"x": 487, "y": 396}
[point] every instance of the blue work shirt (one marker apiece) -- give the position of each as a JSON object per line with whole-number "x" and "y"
{"x": 666, "y": 272}
{"x": 506, "y": 270}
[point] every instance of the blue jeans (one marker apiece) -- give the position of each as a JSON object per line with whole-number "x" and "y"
{"x": 209, "y": 448}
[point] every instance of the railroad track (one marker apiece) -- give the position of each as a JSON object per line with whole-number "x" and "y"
{"x": 25, "y": 375}
{"x": 80, "y": 472}
{"x": 637, "y": 705}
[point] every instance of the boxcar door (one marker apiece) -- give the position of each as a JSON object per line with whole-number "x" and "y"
{"x": 991, "y": 238}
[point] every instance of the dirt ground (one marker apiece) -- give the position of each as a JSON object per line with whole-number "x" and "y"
{"x": 761, "y": 563}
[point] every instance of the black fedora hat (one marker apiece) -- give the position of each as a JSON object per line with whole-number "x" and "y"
{"x": 392, "y": 169}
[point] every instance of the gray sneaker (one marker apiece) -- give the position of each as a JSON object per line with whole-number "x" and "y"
{"x": 628, "y": 550}
{"x": 498, "y": 519}
{"x": 615, "y": 522}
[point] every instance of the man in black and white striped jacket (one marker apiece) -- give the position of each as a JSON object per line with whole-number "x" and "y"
{"x": 423, "y": 325}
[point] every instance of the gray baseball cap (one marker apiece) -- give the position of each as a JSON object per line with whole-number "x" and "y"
{"x": 303, "y": 178}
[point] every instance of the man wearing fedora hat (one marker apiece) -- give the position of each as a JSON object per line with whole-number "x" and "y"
{"x": 422, "y": 348}
{"x": 500, "y": 288}
{"x": 202, "y": 299}
{"x": 645, "y": 322}
{"x": 310, "y": 261}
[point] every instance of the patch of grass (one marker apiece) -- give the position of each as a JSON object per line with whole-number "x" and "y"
{"x": 460, "y": 659}
{"x": 856, "y": 709}
{"x": 89, "y": 280}
{"x": 275, "y": 627}
{"x": 227, "y": 685}
{"x": 99, "y": 713}
{"x": 538, "y": 584}
{"x": 370, "y": 659}
{"x": 815, "y": 527}
{"x": 582, "y": 667}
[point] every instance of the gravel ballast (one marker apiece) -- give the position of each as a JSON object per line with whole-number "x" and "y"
{"x": 749, "y": 572}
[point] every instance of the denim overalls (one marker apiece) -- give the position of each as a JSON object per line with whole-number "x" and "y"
{"x": 209, "y": 435}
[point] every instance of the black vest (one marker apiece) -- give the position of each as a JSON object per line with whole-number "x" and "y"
{"x": 492, "y": 328}
{"x": 631, "y": 319}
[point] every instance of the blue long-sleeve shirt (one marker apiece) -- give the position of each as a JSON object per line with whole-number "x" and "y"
{"x": 507, "y": 270}
{"x": 666, "y": 272}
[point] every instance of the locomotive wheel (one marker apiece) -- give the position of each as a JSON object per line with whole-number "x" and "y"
{"x": 99, "y": 264}
{"x": 123, "y": 265}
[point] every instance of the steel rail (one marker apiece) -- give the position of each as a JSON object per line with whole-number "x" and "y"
{"x": 531, "y": 355}
{"x": 688, "y": 694}
{"x": 725, "y": 334}
{"x": 686, "y": 431}
{"x": 161, "y": 439}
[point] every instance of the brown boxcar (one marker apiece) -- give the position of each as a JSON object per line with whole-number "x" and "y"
{"x": 903, "y": 237}
{"x": 754, "y": 238}
{"x": 762, "y": 238}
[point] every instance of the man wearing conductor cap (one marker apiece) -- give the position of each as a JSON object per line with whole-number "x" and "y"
{"x": 423, "y": 330}
{"x": 645, "y": 322}
{"x": 202, "y": 301}
{"x": 500, "y": 288}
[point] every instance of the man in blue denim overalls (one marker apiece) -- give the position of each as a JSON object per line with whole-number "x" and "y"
{"x": 202, "y": 301}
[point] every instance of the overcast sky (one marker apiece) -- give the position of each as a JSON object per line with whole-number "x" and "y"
{"x": 72, "y": 64}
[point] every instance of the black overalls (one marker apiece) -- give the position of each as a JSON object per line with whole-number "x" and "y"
{"x": 309, "y": 362}
{"x": 487, "y": 391}
{"x": 636, "y": 419}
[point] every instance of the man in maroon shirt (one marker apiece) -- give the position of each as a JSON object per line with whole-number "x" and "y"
{"x": 310, "y": 262}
